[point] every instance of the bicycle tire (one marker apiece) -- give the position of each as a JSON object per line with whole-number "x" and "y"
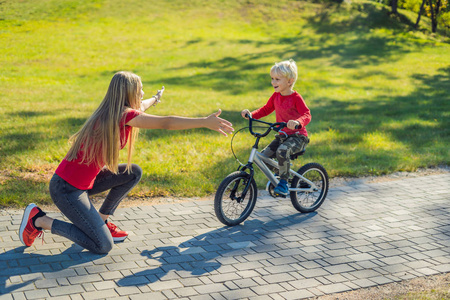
{"x": 316, "y": 173}
{"x": 228, "y": 209}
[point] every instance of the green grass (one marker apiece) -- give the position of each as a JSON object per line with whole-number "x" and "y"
{"x": 379, "y": 92}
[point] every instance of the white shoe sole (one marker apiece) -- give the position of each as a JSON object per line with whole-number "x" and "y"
{"x": 24, "y": 222}
{"x": 119, "y": 239}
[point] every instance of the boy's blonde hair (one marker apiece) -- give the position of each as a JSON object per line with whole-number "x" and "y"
{"x": 99, "y": 138}
{"x": 287, "y": 68}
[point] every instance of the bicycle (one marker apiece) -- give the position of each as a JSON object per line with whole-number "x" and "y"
{"x": 236, "y": 196}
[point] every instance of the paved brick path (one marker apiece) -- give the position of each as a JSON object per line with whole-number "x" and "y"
{"x": 364, "y": 235}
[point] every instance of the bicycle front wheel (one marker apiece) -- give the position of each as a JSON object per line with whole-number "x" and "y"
{"x": 230, "y": 206}
{"x": 310, "y": 201}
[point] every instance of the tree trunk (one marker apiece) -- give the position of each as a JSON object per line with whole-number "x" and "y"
{"x": 394, "y": 5}
{"x": 420, "y": 14}
{"x": 434, "y": 14}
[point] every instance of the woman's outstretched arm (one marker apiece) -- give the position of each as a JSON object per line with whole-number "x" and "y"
{"x": 212, "y": 122}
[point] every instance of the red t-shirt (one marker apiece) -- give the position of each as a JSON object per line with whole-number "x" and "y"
{"x": 291, "y": 107}
{"x": 82, "y": 176}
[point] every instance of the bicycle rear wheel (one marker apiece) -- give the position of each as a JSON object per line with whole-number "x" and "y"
{"x": 229, "y": 206}
{"x": 310, "y": 201}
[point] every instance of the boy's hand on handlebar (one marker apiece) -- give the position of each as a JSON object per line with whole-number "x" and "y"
{"x": 219, "y": 124}
{"x": 292, "y": 124}
{"x": 246, "y": 112}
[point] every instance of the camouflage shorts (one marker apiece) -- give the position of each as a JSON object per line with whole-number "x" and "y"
{"x": 282, "y": 148}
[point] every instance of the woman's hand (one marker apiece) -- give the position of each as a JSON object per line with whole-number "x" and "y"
{"x": 146, "y": 104}
{"x": 213, "y": 122}
{"x": 159, "y": 95}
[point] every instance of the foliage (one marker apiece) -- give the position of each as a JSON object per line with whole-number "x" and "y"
{"x": 444, "y": 18}
{"x": 443, "y": 13}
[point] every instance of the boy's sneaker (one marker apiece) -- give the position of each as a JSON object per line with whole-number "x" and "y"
{"x": 28, "y": 231}
{"x": 282, "y": 188}
{"x": 117, "y": 234}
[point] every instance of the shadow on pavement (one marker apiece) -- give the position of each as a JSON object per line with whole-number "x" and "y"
{"x": 32, "y": 265}
{"x": 201, "y": 254}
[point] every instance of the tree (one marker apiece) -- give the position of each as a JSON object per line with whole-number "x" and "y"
{"x": 394, "y": 5}
{"x": 420, "y": 13}
{"x": 434, "y": 11}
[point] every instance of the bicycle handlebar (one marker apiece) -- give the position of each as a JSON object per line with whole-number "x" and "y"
{"x": 272, "y": 126}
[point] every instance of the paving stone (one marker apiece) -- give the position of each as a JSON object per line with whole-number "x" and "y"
{"x": 39, "y": 294}
{"x": 106, "y": 294}
{"x": 225, "y": 277}
{"x": 210, "y": 288}
{"x": 334, "y": 288}
{"x": 445, "y": 268}
{"x": 317, "y": 272}
{"x": 277, "y": 278}
{"x": 65, "y": 290}
{"x": 300, "y": 294}
{"x": 267, "y": 289}
{"x": 127, "y": 290}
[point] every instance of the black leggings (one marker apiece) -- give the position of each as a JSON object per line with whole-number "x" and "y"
{"x": 87, "y": 228}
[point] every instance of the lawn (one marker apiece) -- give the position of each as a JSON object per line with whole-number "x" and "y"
{"x": 378, "y": 91}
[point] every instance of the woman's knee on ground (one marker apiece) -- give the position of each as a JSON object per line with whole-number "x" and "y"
{"x": 104, "y": 246}
{"x": 104, "y": 249}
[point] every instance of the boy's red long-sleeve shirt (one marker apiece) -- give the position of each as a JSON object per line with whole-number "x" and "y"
{"x": 291, "y": 107}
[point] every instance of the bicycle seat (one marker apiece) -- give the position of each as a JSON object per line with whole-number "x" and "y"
{"x": 295, "y": 155}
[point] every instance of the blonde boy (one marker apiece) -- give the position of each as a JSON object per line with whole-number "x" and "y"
{"x": 289, "y": 107}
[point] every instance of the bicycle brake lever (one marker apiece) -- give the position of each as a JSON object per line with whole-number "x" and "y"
{"x": 278, "y": 126}
{"x": 281, "y": 131}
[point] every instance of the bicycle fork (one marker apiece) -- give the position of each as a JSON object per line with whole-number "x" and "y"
{"x": 249, "y": 166}
{"x": 247, "y": 186}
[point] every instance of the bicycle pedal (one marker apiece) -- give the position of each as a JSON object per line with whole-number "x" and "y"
{"x": 280, "y": 195}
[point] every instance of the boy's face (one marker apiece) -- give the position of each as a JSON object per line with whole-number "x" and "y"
{"x": 281, "y": 84}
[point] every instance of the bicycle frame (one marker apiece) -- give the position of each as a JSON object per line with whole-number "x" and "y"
{"x": 261, "y": 161}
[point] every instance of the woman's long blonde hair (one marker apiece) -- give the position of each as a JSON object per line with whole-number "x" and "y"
{"x": 99, "y": 138}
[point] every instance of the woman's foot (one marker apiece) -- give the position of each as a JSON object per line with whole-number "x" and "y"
{"x": 28, "y": 231}
{"x": 117, "y": 234}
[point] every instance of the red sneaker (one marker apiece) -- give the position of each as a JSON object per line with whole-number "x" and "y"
{"x": 117, "y": 234}
{"x": 27, "y": 231}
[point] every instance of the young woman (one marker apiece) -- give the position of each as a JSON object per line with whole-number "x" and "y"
{"x": 92, "y": 166}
